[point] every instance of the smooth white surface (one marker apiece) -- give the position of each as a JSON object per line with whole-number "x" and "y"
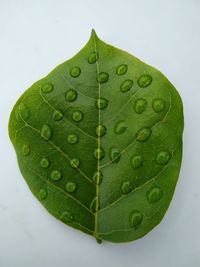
{"x": 35, "y": 36}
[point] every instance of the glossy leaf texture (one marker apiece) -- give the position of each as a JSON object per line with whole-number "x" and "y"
{"x": 99, "y": 142}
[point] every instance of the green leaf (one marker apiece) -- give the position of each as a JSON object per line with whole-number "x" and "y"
{"x": 99, "y": 142}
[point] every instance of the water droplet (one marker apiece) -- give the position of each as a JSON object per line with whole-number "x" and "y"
{"x": 42, "y": 194}
{"x": 121, "y": 69}
{"x": 46, "y": 132}
{"x": 101, "y": 130}
{"x": 77, "y": 115}
{"x": 99, "y": 153}
{"x": 23, "y": 110}
{"x": 154, "y": 194}
{"x": 67, "y": 217}
{"x": 120, "y": 127}
{"x": 72, "y": 139}
{"x": 136, "y": 161}
{"x": 158, "y": 105}
{"x": 57, "y": 115}
{"x": 26, "y": 150}
{"x": 75, "y": 163}
{"x": 44, "y": 163}
{"x": 144, "y": 80}
{"x": 143, "y": 134}
{"x": 101, "y": 103}
{"x": 71, "y": 187}
{"x": 56, "y": 175}
{"x": 126, "y": 187}
{"x": 75, "y": 72}
{"x": 93, "y": 204}
{"x": 71, "y": 95}
{"x": 47, "y": 88}
{"x": 126, "y": 86}
{"x": 93, "y": 57}
{"x": 163, "y": 157}
{"x": 103, "y": 77}
{"x": 97, "y": 177}
{"x": 140, "y": 105}
{"x": 115, "y": 155}
{"x": 136, "y": 218}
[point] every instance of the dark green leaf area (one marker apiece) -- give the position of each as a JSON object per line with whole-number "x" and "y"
{"x": 99, "y": 142}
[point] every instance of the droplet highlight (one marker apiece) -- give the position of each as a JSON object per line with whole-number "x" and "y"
{"x": 115, "y": 155}
{"x": 26, "y": 150}
{"x": 121, "y": 69}
{"x": 158, "y": 105}
{"x": 136, "y": 218}
{"x": 44, "y": 163}
{"x": 99, "y": 153}
{"x": 101, "y": 130}
{"x": 75, "y": 163}
{"x": 70, "y": 187}
{"x": 71, "y": 95}
{"x": 42, "y": 194}
{"x": 154, "y": 195}
{"x": 93, "y": 57}
{"x": 47, "y": 88}
{"x": 75, "y": 72}
{"x": 163, "y": 157}
{"x": 126, "y": 187}
{"x": 67, "y": 217}
{"x": 120, "y": 127}
{"x": 57, "y": 115}
{"x": 126, "y": 86}
{"x": 97, "y": 177}
{"x": 77, "y": 115}
{"x": 101, "y": 103}
{"x": 144, "y": 80}
{"x": 143, "y": 134}
{"x": 136, "y": 161}
{"x": 140, "y": 105}
{"x": 46, "y": 132}
{"x": 56, "y": 175}
{"x": 93, "y": 204}
{"x": 103, "y": 77}
{"x": 72, "y": 139}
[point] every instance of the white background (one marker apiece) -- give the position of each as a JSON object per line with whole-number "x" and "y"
{"x": 35, "y": 36}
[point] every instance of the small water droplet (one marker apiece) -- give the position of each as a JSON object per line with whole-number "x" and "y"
{"x": 23, "y": 110}
{"x": 154, "y": 195}
{"x": 136, "y": 161}
{"x": 44, "y": 163}
{"x": 103, "y": 77}
{"x": 42, "y": 194}
{"x": 72, "y": 139}
{"x": 47, "y": 88}
{"x": 57, "y": 115}
{"x": 163, "y": 157}
{"x": 67, "y": 217}
{"x": 93, "y": 204}
{"x": 75, "y": 72}
{"x": 126, "y": 187}
{"x": 26, "y": 150}
{"x": 56, "y": 175}
{"x": 97, "y": 177}
{"x": 93, "y": 57}
{"x": 71, "y": 187}
{"x": 46, "y": 132}
{"x": 115, "y": 155}
{"x": 158, "y": 105}
{"x": 126, "y": 86}
{"x": 101, "y": 103}
{"x": 99, "y": 153}
{"x": 77, "y": 115}
{"x": 101, "y": 130}
{"x": 140, "y": 105}
{"x": 75, "y": 163}
{"x": 143, "y": 134}
{"x": 144, "y": 80}
{"x": 121, "y": 69}
{"x": 71, "y": 95}
{"x": 136, "y": 218}
{"x": 120, "y": 127}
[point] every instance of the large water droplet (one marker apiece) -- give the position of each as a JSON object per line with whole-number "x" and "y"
{"x": 143, "y": 134}
{"x": 101, "y": 103}
{"x": 42, "y": 194}
{"x": 103, "y": 77}
{"x": 72, "y": 139}
{"x": 93, "y": 57}
{"x": 115, "y": 155}
{"x": 47, "y": 88}
{"x": 57, "y": 115}
{"x": 158, "y": 105}
{"x": 71, "y": 95}
{"x": 144, "y": 80}
{"x": 75, "y": 163}
{"x": 99, "y": 153}
{"x": 120, "y": 127}
{"x": 136, "y": 218}
{"x": 163, "y": 157}
{"x": 101, "y": 130}
{"x": 46, "y": 132}
{"x": 26, "y": 150}
{"x": 71, "y": 187}
{"x": 154, "y": 194}
{"x": 140, "y": 105}
{"x": 121, "y": 69}
{"x": 67, "y": 217}
{"x": 44, "y": 163}
{"x": 126, "y": 187}
{"x": 75, "y": 72}
{"x": 77, "y": 115}
{"x": 136, "y": 161}
{"x": 56, "y": 175}
{"x": 126, "y": 86}
{"x": 97, "y": 177}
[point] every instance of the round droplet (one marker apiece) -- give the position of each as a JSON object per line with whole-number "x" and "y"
{"x": 163, "y": 157}
{"x": 46, "y": 132}
{"x": 56, "y": 175}
{"x": 42, "y": 194}
{"x": 77, "y": 115}
{"x": 140, "y": 105}
{"x": 115, "y": 155}
{"x": 99, "y": 153}
{"x": 57, "y": 115}
{"x": 75, "y": 163}
{"x": 143, "y": 134}
{"x": 136, "y": 219}
{"x": 72, "y": 139}
{"x": 26, "y": 150}
{"x": 71, "y": 95}
{"x": 93, "y": 205}
{"x": 144, "y": 80}
{"x": 126, "y": 86}
{"x": 97, "y": 177}
{"x": 23, "y": 111}
{"x": 121, "y": 69}
{"x": 154, "y": 195}
{"x": 136, "y": 161}
{"x": 67, "y": 217}
{"x": 120, "y": 127}
{"x": 103, "y": 77}
{"x": 44, "y": 163}
{"x": 71, "y": 187}
{"x": 93, "y": 57}
{"x": 101, "y": 130}
{"x": 47, "y": 88}
{"x": 101, "y": 103}
{"x": 158, "y": 105}
{"x": 126, "y": 187}
{"x": 75, "y": 72}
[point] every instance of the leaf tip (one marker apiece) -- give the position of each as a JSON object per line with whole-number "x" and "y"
{"x": 93, "y": 34}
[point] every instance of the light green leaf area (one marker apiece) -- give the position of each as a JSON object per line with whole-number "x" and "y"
{"x": 99, "y": 142}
